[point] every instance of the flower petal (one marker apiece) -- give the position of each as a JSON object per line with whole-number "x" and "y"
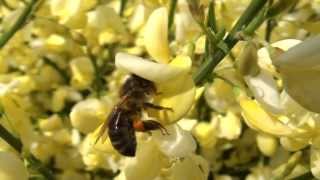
{"x": 178, "y": 94}
{"x": 11, "y": 167}
{"x": 267, "y": 144}
{"x": 302, "y": 56}
{"x": 260, "y": 120}
{"x": 179, "y": 142}
{"x": 147, "y": 155}
{"x": 299, "y": 68}
{"x": 88, "y": 114}
{"x": 147, "y": 69}
{"x": 264, "y": 89}
{"x": 156, "y": 35}
{"x": 315, "y": 161}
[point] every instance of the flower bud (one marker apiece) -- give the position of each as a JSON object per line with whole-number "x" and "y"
{"x": 248, "y": 60}
{"x": 267, "y": 144}
{"x": 82, "y": 72}
{"x": 87, "y": 115}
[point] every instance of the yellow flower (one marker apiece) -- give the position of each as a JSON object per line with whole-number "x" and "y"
{"x": 82, "y": 72}
{"x": 71, "y": 13}
{"x": 167, "y": 152}
{"x": 229, "y": 126}
{"x": 138, "y": 18}
{"x": 220, "y": 96}
{"x": 172, "y": 80}
{"x": 267, "y": 144}
{"x": 99, "y": 154}
{"x": 62, "y": 95}
{"x": 257, "y": 118}
{"x": 11, "y": 167}
{"x": 52, "y": 123}
{"x": 156, "y": 35}
{"x": 206, "y": 134}
{"x": 17, "y": 117}
{"x": 45, "y": 75}
{"x": 186, "y": 27}
{"x": 105, "y": 25}
{"x": 88, "y": 114}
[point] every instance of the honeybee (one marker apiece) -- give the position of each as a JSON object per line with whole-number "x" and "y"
{"x": 125, "y": 117}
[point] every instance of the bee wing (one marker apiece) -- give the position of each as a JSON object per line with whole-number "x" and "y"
{"x": 101, "y": 134}
{"x": 101, "y": 131}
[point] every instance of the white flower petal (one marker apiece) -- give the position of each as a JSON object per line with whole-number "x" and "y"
{"x": 152, "y": 71}
{"x": 194, "y": 167}
{"x": 299, "y": 68}
{"x": 302, "y": 56}
{"x": 264, "y": 89}
{"x": 179, "y": 142}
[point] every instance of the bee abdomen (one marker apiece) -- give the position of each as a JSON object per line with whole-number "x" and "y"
{"x": 122, "y": 135}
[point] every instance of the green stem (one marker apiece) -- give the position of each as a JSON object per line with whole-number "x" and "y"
{"x": 212, "y": 21}
{"x": 271, "y": 23}
{"x": 6, "y": 36}
{"x": 256, "y": 23}
{"x": 10, "y": 139}
{"x": 123, "y": 6}
{"x": 63, "y": 73}
{"x": 172, "y": 10}
{"x": 250, "y": 13}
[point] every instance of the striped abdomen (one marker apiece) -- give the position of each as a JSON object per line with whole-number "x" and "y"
{"x": 121, "y": 132}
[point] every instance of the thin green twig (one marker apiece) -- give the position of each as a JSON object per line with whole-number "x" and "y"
{"x": 172, "y": 10}
{"x": 10, "y": 139}
{"x": 63, "y": 73}
{"x": 212, "y": 21}
{"x": 123, "y": 4}
{"x": 6, "y": 36}
{"x": 250, "y": 13}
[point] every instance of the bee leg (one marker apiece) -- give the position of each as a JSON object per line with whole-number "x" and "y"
{"x": 149, "y": 125}
{"x": 154, "y": 106}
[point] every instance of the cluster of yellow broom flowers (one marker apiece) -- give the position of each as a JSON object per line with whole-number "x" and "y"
{"x": 255, "y": 118}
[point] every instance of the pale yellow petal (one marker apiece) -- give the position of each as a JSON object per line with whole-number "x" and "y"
{"x": 229, "y": 126}
{"x": 267, "y": 144}
{"x": 178, "y": 94}
{"x": 12, "y": 167}
{"x": 87, "y": 115}
{"x": 260, "y": 120}
{"x": 156, "y": 35}
{"x": 179, "y": 142}
{"x": 264, "y": 89}
{"x": 292, "y": 144}
{"x": 155, "y": 72}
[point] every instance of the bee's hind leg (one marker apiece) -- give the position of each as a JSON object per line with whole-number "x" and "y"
{"x": 149, "y": 125}
{"x": 157, "y": 107}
